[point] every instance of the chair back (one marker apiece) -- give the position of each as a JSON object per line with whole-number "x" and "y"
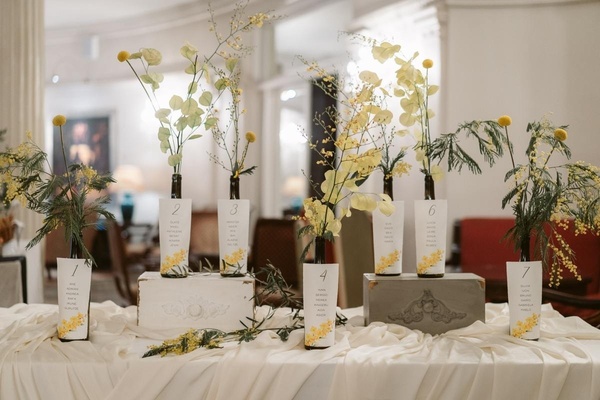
{"x": 355, "y": 255}
{"x": 276, "y": 241}
{"x": 118, "y": 255}
{"x": 204, "y": 236}
{"x": 482, "y": 248}
{"x": 13, "y": 285}
{"x": 484, "y": 252}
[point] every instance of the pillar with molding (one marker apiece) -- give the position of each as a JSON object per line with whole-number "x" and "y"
{"x": 22, "y": 52}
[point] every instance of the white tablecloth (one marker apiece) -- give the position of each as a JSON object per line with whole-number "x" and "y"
{"x": 376, "y": 362}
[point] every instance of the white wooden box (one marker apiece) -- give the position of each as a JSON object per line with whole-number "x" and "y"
{"x": 198, "y": 301}
{"x": 431, "y": 305}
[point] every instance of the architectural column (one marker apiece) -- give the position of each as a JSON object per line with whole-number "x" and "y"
{"x": 22, "y": 53}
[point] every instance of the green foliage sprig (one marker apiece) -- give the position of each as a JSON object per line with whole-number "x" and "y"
{"x": 491, "y": 146}
{"x": 273, "y": 285}
{"x": 64, "y": 200}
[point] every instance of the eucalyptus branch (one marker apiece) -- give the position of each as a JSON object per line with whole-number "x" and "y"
{"x": 273, "y": 285}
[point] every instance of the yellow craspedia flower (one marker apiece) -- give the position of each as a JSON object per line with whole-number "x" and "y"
{"x": 59, "y": 120}
{"x": 560, "y": 134}
{"x": 427, "y": 63}
{"x": 504, "y": 120}
{"x": 250, "y": 137}
{"x": 123, "y": 56}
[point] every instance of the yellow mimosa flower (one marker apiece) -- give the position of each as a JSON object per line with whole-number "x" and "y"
{"x": 504, "y": 120}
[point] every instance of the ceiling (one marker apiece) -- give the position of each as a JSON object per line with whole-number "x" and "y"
{"x": 76, "y": 13}
{"x": 311, "y": 31}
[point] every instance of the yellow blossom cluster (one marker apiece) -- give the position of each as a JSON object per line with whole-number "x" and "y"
{"x": 316, "y": 333}
{"x": 401, "y": 168}
{"x": 172, "y": 261}
{"x": 387, "y": 261}
{"x": 188, "y": 342}
{"x": 259, "y": 19}
{"x": 319, "y": 216}
{"x": 85, "y": 174}
{"x": 68, "y": 326}
{"x": 235, "y": 257}
{"x": 429, "y": 261}
{"x": 522, "y": 327}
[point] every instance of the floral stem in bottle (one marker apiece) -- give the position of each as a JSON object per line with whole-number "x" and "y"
{"x": 320, "y": 258}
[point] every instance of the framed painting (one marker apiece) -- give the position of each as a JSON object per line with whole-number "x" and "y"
{"x": 87, "y": 141}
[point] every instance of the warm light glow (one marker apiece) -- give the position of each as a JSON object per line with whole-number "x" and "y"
{"x": 294, "y": 186}
{"x": 129, "y": 178}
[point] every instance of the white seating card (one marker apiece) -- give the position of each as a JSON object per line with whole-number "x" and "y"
{"x": 524, "y": 284}
{"x": 234, "y": 221}
{"x": 320, "y": 287}
{"x": 430, "y": 235}
{"x": 74, "y": 278}
{"x": 388, "y": 236}
{"x": 175, "y": 220}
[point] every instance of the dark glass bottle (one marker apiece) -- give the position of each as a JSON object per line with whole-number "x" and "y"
{"x": 525, "y": 251}
{"x": 234, "y": 188}
{"x": 176, "y": 186}
{"x": 388, "y": 186}
{"x": 429, "y": 188}
{"x": 75, "y": 250}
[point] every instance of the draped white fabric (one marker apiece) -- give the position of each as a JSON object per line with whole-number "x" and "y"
{"x": 375, "y": 362}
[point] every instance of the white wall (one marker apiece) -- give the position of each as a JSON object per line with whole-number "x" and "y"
{"x": 524, "y": 61}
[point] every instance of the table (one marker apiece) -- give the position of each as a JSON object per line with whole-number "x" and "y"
{"x": 35, "y": 284}
{"x": 376, "y": 362}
